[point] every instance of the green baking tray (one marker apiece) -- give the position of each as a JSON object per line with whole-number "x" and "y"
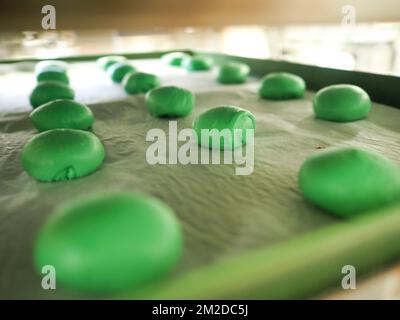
{"x": 245, "y": 236}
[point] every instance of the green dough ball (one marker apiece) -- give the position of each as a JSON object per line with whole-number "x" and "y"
{"x": 174, "y": 58}
{"x": 106, "y": 62}
{"x": 118, "y": 70}
{"x": 282, "y": 86}
{"x": 197, "y": 63}
{"x": 349, "y": 181}
{"x": 341, "y": 103}
{"x": 110, "y": 242}
{"x": 225, "y": 120}
{"x": 62, "y": 154}
{"x": 49, "y": 91}
{"x": 170, "y": 102}
{"x": 51, "y": 74}
{"x": 51, "y": 64}
{"x": 233, "y": 72}
{"x": 54, "y": 68}
{"x": 140, "y": 82}
{"x": 62, "y": 113}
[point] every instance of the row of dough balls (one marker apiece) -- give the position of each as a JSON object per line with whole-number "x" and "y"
{"x": 64, "y": 149}
{"x": 98, "y": 244}
{"x": 56, "y": 114}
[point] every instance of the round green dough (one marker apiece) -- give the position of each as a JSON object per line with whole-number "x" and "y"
{"x": 51, "y": 74}
{"x": 233, "y": 72}
{"x": 106, "y": 62}
{"x": 341, "y": 103}
{"x": 62, "y": 113}
{"x": 51, "y": 65}
{"x": 174, "y": 58}
{"x": 110, "y": 242}
{"x": 197, "y": 63}
{"x": 118, "y": 70}
{"x": 170, "y": 102}
{"x": 349, "y": 181}
{"x": 228, "y": 125}
{"x": 62, "y": 154}
{"x": 54, "y": 68}
{"x": 282, "y": 86}
{"x": 140, "y": 82}
{"x": 48, "y": 91}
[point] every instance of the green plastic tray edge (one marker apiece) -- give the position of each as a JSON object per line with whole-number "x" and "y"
{"x": 298, "y": 268}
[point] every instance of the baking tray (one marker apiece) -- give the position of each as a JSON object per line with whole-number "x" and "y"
{"x": 245, "y": 236}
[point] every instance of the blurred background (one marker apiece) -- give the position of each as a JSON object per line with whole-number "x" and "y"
{"x": 354, "y": 35}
